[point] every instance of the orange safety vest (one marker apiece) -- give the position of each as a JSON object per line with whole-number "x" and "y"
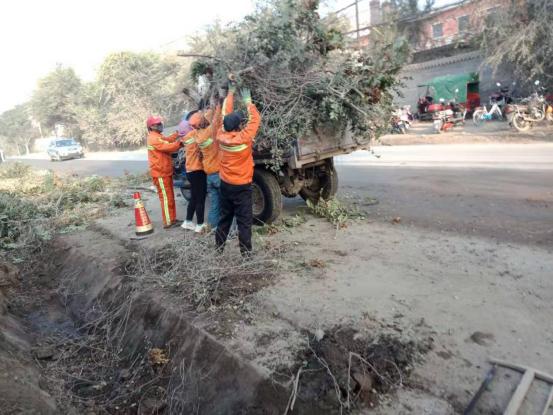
{"x": 159, "y": 153}
{"x": 236, "y": 149}
{"x": 193, "y": 154}
{"x": 207, "y": 143}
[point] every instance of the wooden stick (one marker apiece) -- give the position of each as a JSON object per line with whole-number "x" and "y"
{"x": 520, "y": 393}
{"x": 539, "y": 375}
{"x": 548, "y": 403}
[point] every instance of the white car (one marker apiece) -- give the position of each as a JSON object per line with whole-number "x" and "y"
{"x": 64, "y": 149}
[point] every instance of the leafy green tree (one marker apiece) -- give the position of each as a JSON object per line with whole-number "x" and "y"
{"x": 17, "y": 129}
{"x": 55, "y": 98}
{"x": 129, "y": 87}
{"x": 521, "y": 36}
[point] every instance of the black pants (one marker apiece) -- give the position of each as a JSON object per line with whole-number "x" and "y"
{"x": 198, "y": 189}
{"x": 235, "y": 201}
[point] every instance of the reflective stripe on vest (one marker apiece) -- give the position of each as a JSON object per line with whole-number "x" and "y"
{"x": 233, "y": 149}
{"x": 206, "y": 143}
{"x": 189, "y": 141}
{"x": 151, "y": 148}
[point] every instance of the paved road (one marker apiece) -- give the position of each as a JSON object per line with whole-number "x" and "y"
{"x": 84, "y": 167}
{"x": 501, "y": 192}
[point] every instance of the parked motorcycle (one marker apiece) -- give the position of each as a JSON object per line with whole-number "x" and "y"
{"x": 449, "y": 118}
{"x": 398, "y": 125}
{"x": 401, "y": 120}
{"x": 498, "y": 101}
{"x": 531, "y": 110}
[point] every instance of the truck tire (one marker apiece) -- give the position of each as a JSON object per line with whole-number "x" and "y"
{"x": 326, "y": 185}
{"x": 266, "y": 197}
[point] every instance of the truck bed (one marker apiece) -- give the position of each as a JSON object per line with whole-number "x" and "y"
{"x": 322, "y": 144}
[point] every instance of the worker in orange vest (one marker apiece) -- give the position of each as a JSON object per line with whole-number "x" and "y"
{"x": 161, "y": 167}
{"x": 195, "y": 173}
{"x": 211, "y": 159}
{"x": 236, "y": 171}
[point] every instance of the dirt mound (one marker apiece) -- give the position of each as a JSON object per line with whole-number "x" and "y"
{"x": 343, "y": 369}
{"x": 20, "y": 389}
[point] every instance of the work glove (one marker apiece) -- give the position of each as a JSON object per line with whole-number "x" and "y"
{"x": 246, "y": 95}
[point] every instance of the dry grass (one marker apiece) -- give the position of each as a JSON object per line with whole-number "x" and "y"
{"x": 194, "y": 269}
{"x": 37, "y": 204}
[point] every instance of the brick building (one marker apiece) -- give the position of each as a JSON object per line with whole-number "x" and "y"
{"x": 453, "y": 24}
{"x": 442, "y": 45}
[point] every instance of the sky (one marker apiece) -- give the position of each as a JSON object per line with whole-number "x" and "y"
{"x": 35, "y": 35}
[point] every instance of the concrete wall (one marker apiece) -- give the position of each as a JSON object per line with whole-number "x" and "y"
{"x": 421, "y": 73}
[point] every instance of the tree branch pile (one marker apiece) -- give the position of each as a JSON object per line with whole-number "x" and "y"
{"x": 303, "y": 72}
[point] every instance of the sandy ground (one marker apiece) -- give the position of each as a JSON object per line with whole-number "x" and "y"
{"x": 478, "y": 295}
{"x": 469, "y": 265}
{"x": 490, "y": 132}
{"x": 423, "y": 281}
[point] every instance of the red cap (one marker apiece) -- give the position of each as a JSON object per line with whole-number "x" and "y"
{"x": 153, "y": 120}
{"x": 136, "y": 195}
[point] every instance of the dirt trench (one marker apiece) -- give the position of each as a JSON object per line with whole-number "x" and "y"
{"x": 82, "y": 331}
{"x": 79, "y": 336}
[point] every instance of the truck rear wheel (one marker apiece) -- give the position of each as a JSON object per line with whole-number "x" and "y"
{"x": 266, "y": 197}
{"x": 323, "y": 183}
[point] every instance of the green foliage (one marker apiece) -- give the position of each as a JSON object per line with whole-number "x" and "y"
{"x": 55, "y": 98}
{"x": 303, "y": 74}
{"x": 334, "y": 211}
{"x": 36, "y": 204}
{"x": 14, "y": 170}
{"x": 521, "y": 36}
{"x": 197, "y": 69}
{"x": 107, "y": 113}
{"x": 16, "y": 127}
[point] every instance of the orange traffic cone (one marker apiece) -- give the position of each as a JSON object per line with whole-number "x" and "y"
{"x": 143, "y": 224}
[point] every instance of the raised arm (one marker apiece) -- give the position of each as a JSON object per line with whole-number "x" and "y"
{"x": 163, "y": 145}
{"x": 228, "y": 103}
{"x": 217, "y": 120}
{"x": 171, "y": 138}
{"x": 254, "y": 121}
{"x": 254, "y": 118}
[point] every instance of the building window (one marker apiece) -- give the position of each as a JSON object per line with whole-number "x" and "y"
{"x": 492, "y": 11}
{"x": 463, "y": 24}
{"x": 437, "y": 30}
{"x": 492, "y": 14}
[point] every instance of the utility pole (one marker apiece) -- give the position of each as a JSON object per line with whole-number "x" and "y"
{"x": 357, "y": 23}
